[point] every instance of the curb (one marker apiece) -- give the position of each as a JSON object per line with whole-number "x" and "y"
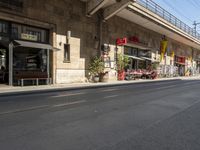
{"x": 60, "y": 89}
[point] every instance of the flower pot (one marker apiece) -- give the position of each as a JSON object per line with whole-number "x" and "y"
{"x": 104, "y": 77}
{"x": 120, "y": 74}
{"x": 96, "y": 79}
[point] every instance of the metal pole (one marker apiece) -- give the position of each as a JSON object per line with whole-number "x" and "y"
{"x": 48, "y": 75}
{"x": 11, "y": 64}
{"x": 195, "y": 27}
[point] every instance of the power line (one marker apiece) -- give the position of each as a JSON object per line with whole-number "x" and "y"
{"x": 193, "y": 3}
{"x": 196, "y": 3}
{"x": 177, "y": 11}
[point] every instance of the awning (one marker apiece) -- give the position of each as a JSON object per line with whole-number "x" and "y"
{"x": 180, "y": 63}
{"x": 134, "y": 57}
{"x": 149, "y": 59}
{"x": 137, "y": 45}
{"x": 34, "y": 45}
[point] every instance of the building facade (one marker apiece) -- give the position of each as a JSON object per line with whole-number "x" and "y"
{"x": 53, "y": 41}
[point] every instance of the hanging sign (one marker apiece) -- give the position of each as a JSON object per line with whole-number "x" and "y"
{"x": 134, "y": 39}
{"x": 163, "y": 48}
{"x": 28, "y": 37}
{"x": 121, "y": 41}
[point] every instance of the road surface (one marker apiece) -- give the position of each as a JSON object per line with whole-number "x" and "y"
{"x": 145, "y": 116}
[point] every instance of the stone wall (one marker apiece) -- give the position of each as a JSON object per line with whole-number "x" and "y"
{"x": 63, "y": 16}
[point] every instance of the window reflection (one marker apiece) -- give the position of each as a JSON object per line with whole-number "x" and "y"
{"x": 30, "y": 59}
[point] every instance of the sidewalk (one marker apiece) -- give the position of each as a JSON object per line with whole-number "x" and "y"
{"x": 17, "y": 90}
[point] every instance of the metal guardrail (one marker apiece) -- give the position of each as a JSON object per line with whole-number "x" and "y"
{"x": 158, "y": 10}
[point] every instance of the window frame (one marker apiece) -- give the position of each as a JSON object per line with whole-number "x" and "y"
{"x": 67, "y": 58}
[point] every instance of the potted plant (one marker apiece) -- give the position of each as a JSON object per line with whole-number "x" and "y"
{"x": 103, "y": 77}
{"x": 96, "y": 67}
{"x": 122, "y": 62}
{"x": 154, "y": 73}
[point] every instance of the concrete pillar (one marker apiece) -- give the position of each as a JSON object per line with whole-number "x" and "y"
{"x": 10, "y": 64}
{"x": 48, "y": 67}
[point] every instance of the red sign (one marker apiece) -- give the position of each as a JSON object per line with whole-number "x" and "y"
{"x": 121, "y": 41}
{"x": 180, "y": 59}
{"x": 134, "y": 39}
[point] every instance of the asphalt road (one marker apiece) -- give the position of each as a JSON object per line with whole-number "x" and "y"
{"x": 145, "y": 116}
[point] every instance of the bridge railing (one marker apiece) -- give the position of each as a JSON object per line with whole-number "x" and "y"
{"x": 155, "y": 8}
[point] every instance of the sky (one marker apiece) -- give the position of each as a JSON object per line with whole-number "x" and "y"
{"x": 187, "y": 11}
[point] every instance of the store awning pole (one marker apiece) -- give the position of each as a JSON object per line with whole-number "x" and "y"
{"x": 10, "y": 64}
{"x": 48, "y": 67}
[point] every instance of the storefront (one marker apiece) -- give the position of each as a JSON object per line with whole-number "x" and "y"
{"x": 180, "y": 62}
{"x": 139, "y": 59}
{"x": 4, "y": 42}
{"x": 138, "y": 52}
{"x": 26, "y": 54}
{"x": 197, "y": 68}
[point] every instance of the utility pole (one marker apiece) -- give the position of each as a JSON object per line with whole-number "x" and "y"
{"x": 195, "y": 26}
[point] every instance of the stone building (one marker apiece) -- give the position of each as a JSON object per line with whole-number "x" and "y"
{"x": 53, "y": 41}
{"x": 66, "y": 28}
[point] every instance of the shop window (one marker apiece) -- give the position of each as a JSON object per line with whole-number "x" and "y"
{"x": 3, "y": 27}
{"x": 35, "y": 33}
{"x": 15, "y": 32}
{"x": 130, "y": 51}
{"x": 29, "y": 59}
{"x": 29, "y": 33}
{"x": 67, "y": 53}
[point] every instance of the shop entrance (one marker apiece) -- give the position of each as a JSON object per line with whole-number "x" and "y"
{"x": 29, "y": 64}
{"x": 181, "y": 69}
{"x": 3, "y": 65}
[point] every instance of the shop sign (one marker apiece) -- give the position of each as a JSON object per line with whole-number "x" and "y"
{"x": 28, "y": 37}
{"x": 134, "y": 39}
{"x": 121, "y": 41}
{"x": 180, "y": 59}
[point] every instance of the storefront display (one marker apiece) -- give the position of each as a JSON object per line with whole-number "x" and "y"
{"x": 26, "y": 50}
{"x": 180, "y": 62}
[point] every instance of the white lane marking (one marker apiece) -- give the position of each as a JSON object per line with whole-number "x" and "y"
{"x": 69, "y": 94}
{"x": 25, "y": 109}
{"x": 111, "y": 96}
{"x": 70, "y": 103}
{"x": 109, "y": 90}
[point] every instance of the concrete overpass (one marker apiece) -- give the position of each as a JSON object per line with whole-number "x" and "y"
{"x": 148, "y": 14}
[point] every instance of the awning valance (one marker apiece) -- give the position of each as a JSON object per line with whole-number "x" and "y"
{"x": 134, "y": 57}
{"x": 138, "y": 45}
{"x": 180, "y": 63}
{"x": 34, "y": 45}
{"x": 152, "y": 60}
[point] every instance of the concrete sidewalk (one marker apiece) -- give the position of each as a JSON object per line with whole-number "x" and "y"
{"x": 17, "y": 90}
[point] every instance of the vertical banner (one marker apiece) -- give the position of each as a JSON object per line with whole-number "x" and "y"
{"x": 172, "y": 54}
{"x": 163, "y": 48}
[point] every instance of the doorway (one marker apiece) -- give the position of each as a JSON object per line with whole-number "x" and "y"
{"x": 3, "y": 65}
